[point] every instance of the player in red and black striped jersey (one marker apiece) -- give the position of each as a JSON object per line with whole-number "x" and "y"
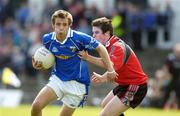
{"x": 131, "y": 79}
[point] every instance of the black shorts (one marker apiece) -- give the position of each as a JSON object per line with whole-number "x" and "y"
{"x": 131, "y": 95}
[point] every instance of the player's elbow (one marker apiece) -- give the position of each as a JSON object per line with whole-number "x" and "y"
{"x": 100, "y": 48}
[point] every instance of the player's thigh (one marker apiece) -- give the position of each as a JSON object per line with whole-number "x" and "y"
{"x": 70, "y": 103}
{"x": 73, "y": 101}
{"x": 45, "y": 96}
{"x": 114, "y": 107}
{"x": 66, "y": 111}
{"x": 108, "y": 97}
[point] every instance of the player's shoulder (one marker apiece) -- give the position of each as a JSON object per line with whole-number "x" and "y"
{"x": 48, "y": 37}
{"x": 77, "y": 34}
{"x": 118, "y": 45}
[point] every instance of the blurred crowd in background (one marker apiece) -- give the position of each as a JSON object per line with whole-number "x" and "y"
{"x": 23, "y": 22}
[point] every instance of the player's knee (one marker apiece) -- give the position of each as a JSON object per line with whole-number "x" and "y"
{"x": 103, "y": 104}
{"x": 36, "y": 106}
{"x": 102, "y": 113}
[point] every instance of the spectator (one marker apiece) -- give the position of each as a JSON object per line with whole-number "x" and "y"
{"x": 172, "y": 65}
{"x": 150, "y": 25}
{"x": 135, "y": 25}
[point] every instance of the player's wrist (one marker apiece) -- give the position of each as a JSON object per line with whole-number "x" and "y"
{"x": 111, "y": 75}
{"x": 87, "y": 57}
{"x": 111, "y": 72}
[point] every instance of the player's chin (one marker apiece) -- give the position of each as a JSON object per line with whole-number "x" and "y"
{"x": 39, "y": 68}
{"x": 61, "y": 33}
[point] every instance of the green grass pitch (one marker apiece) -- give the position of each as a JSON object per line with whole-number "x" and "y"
{"x": 24, "y": 110}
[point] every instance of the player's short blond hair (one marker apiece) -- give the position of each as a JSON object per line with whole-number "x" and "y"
{"x": 61, "y": 14}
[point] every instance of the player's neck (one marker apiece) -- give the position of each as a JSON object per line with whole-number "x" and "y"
{"x": 60, "y": 38}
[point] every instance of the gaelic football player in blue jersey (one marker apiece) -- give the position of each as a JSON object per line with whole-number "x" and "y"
{"x": 69, "y": 80}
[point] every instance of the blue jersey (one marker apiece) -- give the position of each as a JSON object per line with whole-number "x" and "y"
{"x": 68, "y": 64}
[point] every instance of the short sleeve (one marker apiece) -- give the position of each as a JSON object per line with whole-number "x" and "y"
{"x": 47, "y": 39}
{"x": 88, "y": 42}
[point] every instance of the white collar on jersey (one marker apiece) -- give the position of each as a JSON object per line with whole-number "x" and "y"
{"x": 69, "y": 34}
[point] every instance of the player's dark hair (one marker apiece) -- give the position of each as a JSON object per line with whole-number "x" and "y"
{"x": 61, "y": 14}
{"x": 104, "y": 24}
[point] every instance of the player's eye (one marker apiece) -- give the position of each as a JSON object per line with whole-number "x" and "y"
{"x": 65, "y": 24}
{"x": 96, "y": 32}
{"x": 58, "y": 24}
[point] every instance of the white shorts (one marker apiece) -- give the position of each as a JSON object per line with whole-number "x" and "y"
{"x": 71, "y": 93}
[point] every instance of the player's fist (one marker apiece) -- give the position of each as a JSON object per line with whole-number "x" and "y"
{"x": 97, "y": 78}
{"x": 37, "y": 64}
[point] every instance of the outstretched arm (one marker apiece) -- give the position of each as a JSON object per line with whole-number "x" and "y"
{"x": 96, "y": 60}
{"x": 105, "y": 57}
{"x": 104, "y": 61}
{"x": 92, "y": 59}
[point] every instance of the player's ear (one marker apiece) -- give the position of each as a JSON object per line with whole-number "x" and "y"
{"x": 52, "y": 25}
{"x": 70, "y": 25}
{"x": 107, "y": 33}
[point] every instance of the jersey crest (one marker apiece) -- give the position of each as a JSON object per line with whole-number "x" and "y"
{"x": 73, "y": 48}
{"x": 54, "y": 49}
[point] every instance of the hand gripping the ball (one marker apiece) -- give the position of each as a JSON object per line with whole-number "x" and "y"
{"x": 37, "y": 65}
{"x": 43, "y": 58}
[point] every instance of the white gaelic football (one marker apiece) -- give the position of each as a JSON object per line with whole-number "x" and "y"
{"x": 45, "y": 56}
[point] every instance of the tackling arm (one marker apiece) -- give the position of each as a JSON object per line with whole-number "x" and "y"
{"x": 92, "y": 59}
{"x": 105, "y": 59}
